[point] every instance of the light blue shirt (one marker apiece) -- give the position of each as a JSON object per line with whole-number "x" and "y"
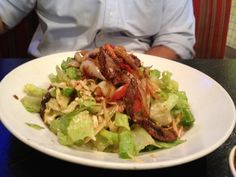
{"x": 67, "y": 25}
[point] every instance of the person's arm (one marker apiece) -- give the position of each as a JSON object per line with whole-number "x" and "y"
{"x": 176, "y": 36}
{"x": 2, "y": 27}
{"x": 164, "y": 52}
{"x": 13, "y": 11}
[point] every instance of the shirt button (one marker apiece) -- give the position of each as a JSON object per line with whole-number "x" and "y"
{"x": 110, "y": 14}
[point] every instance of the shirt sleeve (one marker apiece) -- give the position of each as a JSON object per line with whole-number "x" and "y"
{"x": 13, "y": 11}
{"x": 177, "y": 30}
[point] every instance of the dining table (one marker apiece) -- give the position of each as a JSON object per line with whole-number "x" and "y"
{"x": 19, "y": 160}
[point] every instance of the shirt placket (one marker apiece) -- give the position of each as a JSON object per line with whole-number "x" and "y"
{"x": 110, "y": 22}
{"x": 111, "y": 14}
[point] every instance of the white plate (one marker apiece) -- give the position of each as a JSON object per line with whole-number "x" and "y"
{"x": 212, "y": 107}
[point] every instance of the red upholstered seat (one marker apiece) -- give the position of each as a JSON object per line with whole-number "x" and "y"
{"x": 212, "y": 19}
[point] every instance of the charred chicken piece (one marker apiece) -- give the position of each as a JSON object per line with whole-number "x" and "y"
{"x": 138, "y": 112}
{"x": 109, "y": 49}
{"x": 125, "y": 61}
{"x": 158, "y": 132}
{"x": 135, "y": 59}
{"x": 108, "y": 67}
{"x": 133, "y": 101}
{"x": 45, "y": 99}
{"x": 129, "y": 60}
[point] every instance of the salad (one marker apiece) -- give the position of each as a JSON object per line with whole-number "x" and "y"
{"x": 105, "y": 99}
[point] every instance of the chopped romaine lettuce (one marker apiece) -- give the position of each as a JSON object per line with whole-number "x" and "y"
{"x": 160, "y": 112}
{"x": 112, "y": 137}
{"x": 60, "y": 124}
{"x": 167, "y": 84}
{"x": 32, "y": 90}
{"x": 127, "y": 145}
{"x": 73, "y": 127}
{"x": 122, "y": 120}
{"x": 144, "y": 141}
{"x": 72, "y": 73}
{"x": 62, "y": 100}
{"x": 64, "y": 139}
{"x": 170, "y": 103}
{"x": 183, "y": 100}
{"x": 52, "y": 104}
{"x": 71, "y": 107}
{"x": 53, "y": 78}
{"x": 141, "y": 138}
{"x": 61, "y": 76}
{"x": 80, "y": 127}
{"x": 91, "y": 105}
{"x": 35, "y": 126}
{"x": 105, "y": 139}
{"x": 31, "y": 104}
{"x": 64, "y": 64}
{"x": 68, "y": 91}
{"x": 154, "y": 74}
{"x": 182, "y": 107}
{"x": 187, "y": 118}
{"x": 101, "y": 143}
{"x": 165, "y": 145}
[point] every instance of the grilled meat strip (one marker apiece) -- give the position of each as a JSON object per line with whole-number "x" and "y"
{"x": 45, "y": 99}
{"x": 108, "y": 67}
{"x": 158, "y": 132}
{"x": 141, "y": 117}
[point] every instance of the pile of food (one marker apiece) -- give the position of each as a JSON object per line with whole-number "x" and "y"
{"x": 106, "y": 100}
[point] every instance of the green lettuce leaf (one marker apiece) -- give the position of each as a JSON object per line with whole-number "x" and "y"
{"x": 60, "y": 124}
{"x": 122, "y": 120}
{"x": 91, "y": 105}
{"x": 144, "y": 141}
{"x": 154, "y": 74}
{"x": 72, "y": 73}
{"x": 35, "y": 126}
{"x": 167, "y": 83}
{"x": 32, "y": 90}
{"x": 106, "y": 138}
{"x": 141, "y": 138}
{"x": 165, "y": 145}
{"x": 64, "y": 139}
{"x": 126, "y": 145}
{"x": 80, "y": 127}
{"x": 68, "y": 91}
{"x": 183, "y": 108}
{"x": 160, "y": 112}
{"x": 31, "y": 104}
{"x": 65, "y": 63}
{"x": 61, "y": 75}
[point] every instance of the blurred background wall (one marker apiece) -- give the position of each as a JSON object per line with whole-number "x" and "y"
{"x": 231, "y": 37}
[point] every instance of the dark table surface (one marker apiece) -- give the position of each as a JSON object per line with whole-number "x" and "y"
{"x": 20, "y": 160}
